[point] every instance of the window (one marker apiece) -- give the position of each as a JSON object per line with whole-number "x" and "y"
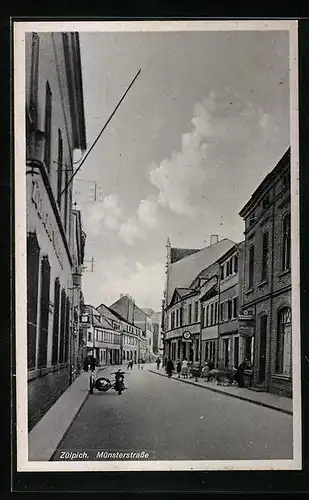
{"x": 249, "y": 346}
{"x": 84, "y": 318}
{"x": 189, "y": 314}
{"x": 216, "y": 313}
{"x": 34, "y": 79}
{"x": 251, "y": 220}
{"x": 207, "y": 351}
{"x": 180, "y": 316}
{"x": 177, "y": 318}
{"x": 235, "y": 263}
{"x": 67, "y": 331}
{"x": 47, "y": 126}
{"x": 89, "y": 336}
{"x": 265, "y": 256}
{"x": 44, "y": 312}
{"x": 251, "y": 266}
{"x": 203, "y": 316}
{"x": 56, "y": 322}
{"x": 229, "y": 309}
{"x": 62, "y": 327}
{"x": 196, "y": 311}
{"x": 212, "y": 314}
{"x": 222, "y": 311}
{"x": 286, "y": 243}
{"x": 60, "y": 168}
{"x": 284, "y": 342}
{"x": 226, "y": 352}
{"x": 235, "y": 307}
{"x": 236, "y": 352}
{"x": 222, "y": 271}
{"x": 33, "y": 265}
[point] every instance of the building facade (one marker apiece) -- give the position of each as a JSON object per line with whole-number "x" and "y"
{"x": 134, "y": 315}
{"x": 130, "y": 335}
{"x": 231, "y": 346}
{"x": 55, "y": 128}
{"x": 102, "y": 340}
{"x": 266, "y": 309}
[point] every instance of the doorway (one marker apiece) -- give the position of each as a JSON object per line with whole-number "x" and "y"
{"x": 262, "y": 354}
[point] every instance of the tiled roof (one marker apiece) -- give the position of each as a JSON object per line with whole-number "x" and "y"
{"x": 182, "y": 273}
{"x": 180, "y": 253}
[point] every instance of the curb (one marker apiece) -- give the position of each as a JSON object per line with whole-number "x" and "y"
{"x": 236, "y": 396}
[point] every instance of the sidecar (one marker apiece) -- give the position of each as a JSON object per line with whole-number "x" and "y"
{"x": 101, "y": 384}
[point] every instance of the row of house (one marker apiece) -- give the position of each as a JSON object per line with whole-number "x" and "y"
{"x": 55, "y": 132}
{"x": 231, "y": 300}
{"x": 119, "y": 333}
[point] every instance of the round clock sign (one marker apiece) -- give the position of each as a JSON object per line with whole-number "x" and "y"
{"x": 187, "y": 335}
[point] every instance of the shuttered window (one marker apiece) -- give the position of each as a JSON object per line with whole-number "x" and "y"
{"x": 44, "y": 312}
{"x": 33, "y": 264}
{"x": 56, "y": 323}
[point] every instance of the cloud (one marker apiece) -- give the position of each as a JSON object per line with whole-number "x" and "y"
{"x": 177, "y": 177}
{"x": 147, "y": 213}
{"x": 106, "y": 214}
{"x": 131, "y": 230}
{"x": 144, "y": 282}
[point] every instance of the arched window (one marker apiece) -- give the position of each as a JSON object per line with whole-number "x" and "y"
{"x": 286, "y": 243}
{"x": 284, "y": 341}
{"x": 265, "y": 256}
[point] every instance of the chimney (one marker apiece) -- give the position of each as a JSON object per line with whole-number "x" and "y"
{"x": 214, "y": 238}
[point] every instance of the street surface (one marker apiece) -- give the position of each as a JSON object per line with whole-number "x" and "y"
{"x": 178, "y": 422}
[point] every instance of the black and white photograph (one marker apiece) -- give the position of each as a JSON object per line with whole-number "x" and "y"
{"x": 157, "y": 245}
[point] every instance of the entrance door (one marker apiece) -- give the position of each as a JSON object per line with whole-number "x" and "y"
{"x": 262, "y": 357}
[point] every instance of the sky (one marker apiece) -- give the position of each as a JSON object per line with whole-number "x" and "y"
{"x": 205, "y": 121}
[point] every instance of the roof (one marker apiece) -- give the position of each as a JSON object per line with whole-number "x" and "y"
{"x": 181, "y": 253}
{"x": 104, "y": 323}
{"x": 266, "y": 182}
{"x": 182, "y": 273}
{"x": 116, "y": 314}
{"x": 183, "y": 292}
{"x": 231, "y": 251}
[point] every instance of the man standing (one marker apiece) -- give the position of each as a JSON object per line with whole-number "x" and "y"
{"x": 158, "y": 362}
{"x": 169, "y": 367}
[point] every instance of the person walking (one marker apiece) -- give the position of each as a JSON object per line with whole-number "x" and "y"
{"x": 240, "y": 374}
{"x": 158, "y": 362}
{"x": 169, "y": 367}
{"x": 184, "y": 368}
{"x": 178, "y": 367}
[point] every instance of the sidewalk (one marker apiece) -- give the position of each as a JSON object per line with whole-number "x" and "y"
{"x": 46, "y": 435}
{"x": 266, "y": 399}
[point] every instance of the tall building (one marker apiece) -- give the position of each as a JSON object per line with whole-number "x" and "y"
{"x": 266, "y": 310}
{"x": 184, "y": 268}
{"x": 55, "y": 129}
{"x": 127, "y": 308}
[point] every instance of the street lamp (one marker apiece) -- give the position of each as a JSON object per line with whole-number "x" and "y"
{"x": 35, "y": 151}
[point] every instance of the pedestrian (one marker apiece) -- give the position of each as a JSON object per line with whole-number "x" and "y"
{"x": 131, "y": 364}
{"x": 92, "y": 363}
{"x": 205, "y": 372}
{"x": 158, "y": 362}
{"x": 169, "y": 367}
{"x": 139, "y": 363}
{"x": 184, "y": 368}
{"x": 178, "y": 367}
{"x": 240, "y": 374}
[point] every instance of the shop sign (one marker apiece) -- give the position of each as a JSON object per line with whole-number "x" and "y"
{"x": 186, "y": 335}
{"x": 46, "y": 221}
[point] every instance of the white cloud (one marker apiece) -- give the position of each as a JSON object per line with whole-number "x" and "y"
{"x": 144, "y": 282}
{"x": 177, "y": 177}
{"x": 106, "y": 214}
{"x": 147, "y": 213}
{"x": 130, "y": 231}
